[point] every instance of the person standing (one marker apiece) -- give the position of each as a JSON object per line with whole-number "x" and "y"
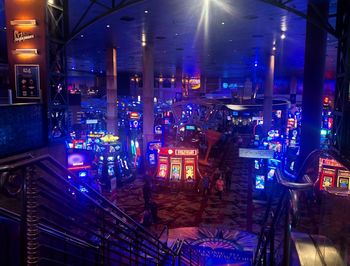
{"x": 228, "y": 177}
{"x": 220, "y": 186}
{"x": 147, "y": 191}
{"x": 205, "y": 185}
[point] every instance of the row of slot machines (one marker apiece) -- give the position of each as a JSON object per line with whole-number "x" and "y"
{"x": 333, "y": 174}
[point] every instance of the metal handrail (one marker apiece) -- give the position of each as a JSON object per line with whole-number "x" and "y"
{"x": 268, "y": 230}
{"x": 57, "y": 164}
{"x": 152, "y": 243}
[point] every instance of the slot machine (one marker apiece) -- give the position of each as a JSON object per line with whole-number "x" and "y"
{"x": 343, "y": 179}
{"x": 189, "y": 168}
{"x": 152, "y": 152}
{"x": 175, "y": 169}
{"x": 327, "y": 178}
{"x": 163, "y": 167}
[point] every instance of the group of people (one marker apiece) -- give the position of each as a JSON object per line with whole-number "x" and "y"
{"x": 216, "y": 182}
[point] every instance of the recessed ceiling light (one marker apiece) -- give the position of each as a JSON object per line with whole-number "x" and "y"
{"x": 146, "y": 11}
{"x": 82, "y": 35}
{"x": 222, "y": 23}
{"x": 108, "y": 26}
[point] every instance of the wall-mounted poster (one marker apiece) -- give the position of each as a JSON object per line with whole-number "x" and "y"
{"x": 27, "y": 81}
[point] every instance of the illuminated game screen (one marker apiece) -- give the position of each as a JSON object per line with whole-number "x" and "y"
{"x": 271, "y": 173}
{"x": 259, "y": 181}
{"x": 343, "y": 182}
{"x": 175, "y": 173}
{"x": 190, "y": 128}
{"x": 189, "y": 172}
{"x": 78, "y": 158}
{"x": 327, "y": 181}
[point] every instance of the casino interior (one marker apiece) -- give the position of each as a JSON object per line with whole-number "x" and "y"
{"x": 152, "y": 132}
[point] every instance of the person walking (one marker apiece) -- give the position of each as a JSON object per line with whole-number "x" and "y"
{"x": 220, "y": 186}
{"x": 228, "y": 177}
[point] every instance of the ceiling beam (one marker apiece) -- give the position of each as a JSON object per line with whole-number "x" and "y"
{"x": 114, "y": 7}
{"x": 319, "y": 23}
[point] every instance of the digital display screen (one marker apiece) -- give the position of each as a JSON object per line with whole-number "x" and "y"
{"x": 343, "y": 182}
{"x": 190, "y": 127}
{"x": 79, "y": 158}
{"x": 271, "y": 173}
{"x": 260, "y": 182}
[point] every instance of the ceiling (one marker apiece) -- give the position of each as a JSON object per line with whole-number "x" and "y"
{"x": 239, "y": 35}
{"x": 235, "y": 43}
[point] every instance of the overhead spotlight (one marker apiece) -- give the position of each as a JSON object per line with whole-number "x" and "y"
{"x": 283, "y": 36}
{"x": 143, "y": 44}
{"x": 82, "y": 35}
{"x": 108, "y": 26}
{"x": 222, "y": 23}
{"x": 274, "y": 48}
{"x": 255, "y": 64}
{"x": 146, "y": 11}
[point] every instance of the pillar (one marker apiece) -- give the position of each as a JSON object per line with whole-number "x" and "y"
{"x": 293, "y": 90}
{"x": 268, "y": 94}
{"x": 178, "y": 80}
{"x": 30, "y": 64}
{"x": 314, "y": 67}
{"x": 203, "y": 84}
{"x": 147, "y": 97}
{"x": 111, "y": 84}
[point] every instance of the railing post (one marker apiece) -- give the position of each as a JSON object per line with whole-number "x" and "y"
{"x": 158, "y": 251}
{"x": 23, "y": 228}
{"x": 32, "y": 231}
{"x": 190, "y": 256}
{"x": 272, "y": 247}
{"x": 287, "y": 231}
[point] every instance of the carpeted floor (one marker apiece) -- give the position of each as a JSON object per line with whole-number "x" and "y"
{"x": 191, "y": 209}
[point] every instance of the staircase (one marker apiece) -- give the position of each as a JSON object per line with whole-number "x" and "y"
{"x": 52, "y": 218}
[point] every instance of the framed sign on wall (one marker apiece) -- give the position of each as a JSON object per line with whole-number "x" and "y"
{"x": 27, "y": 81}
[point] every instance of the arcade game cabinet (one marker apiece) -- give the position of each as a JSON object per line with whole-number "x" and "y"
{"x": 178, "y": 165}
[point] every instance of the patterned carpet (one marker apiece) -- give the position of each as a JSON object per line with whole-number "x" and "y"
{"x": 191, "y": 209}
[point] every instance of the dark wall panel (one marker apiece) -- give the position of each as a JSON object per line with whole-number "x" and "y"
{"x": 21, "y": 128}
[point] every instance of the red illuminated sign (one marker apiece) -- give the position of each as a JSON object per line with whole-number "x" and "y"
{"x": 134, "y": 115}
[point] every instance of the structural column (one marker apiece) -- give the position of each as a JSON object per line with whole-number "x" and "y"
{"x": 203, "y": 84}
{"x": 314, "y": 67}
{"x": 148, "y": 93}
{"x": 268, "y": 94}
{"x": 293, "y": 90}
{"x": 111, "y": 83}
{"x": 178, "y": 80}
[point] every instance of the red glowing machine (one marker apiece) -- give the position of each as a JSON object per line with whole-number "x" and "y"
{"x": 178, "y": 165}
{"x": 333, "y": 174}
